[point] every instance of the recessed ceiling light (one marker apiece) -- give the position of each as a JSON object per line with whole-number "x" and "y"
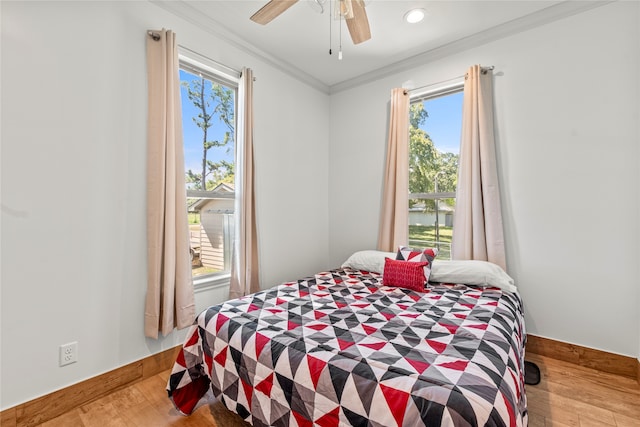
{"x": 414, "y": 16}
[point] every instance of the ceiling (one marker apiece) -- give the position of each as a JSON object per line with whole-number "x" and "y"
{"x": 298, "y": 41}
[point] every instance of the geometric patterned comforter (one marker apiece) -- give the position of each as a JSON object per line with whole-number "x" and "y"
{"x": 341, "y": 349}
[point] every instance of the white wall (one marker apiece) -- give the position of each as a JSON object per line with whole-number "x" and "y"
{"x": 73, "y": 186}
{"x": 566, "y": 98}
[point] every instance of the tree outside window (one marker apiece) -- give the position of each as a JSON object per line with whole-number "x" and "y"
{"x": 434, "y": 140}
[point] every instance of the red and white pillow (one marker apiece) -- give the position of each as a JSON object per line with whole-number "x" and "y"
{"x": 403, "y": 274}
{"x": 411, "y": 268}
{"x": 405, "y": 253}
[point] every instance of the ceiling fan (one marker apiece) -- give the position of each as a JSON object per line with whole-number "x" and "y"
{"x": 351, "y": 10}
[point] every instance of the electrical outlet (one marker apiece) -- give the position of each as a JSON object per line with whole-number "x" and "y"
{"x": 68, "y": 353}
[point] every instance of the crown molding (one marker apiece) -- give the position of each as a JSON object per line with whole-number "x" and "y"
{"x": 187, "y": 12}
{"x": 544, "y": 16}
{"x": 533, "y": 20}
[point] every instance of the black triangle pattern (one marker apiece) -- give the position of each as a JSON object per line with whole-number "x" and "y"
{"x": 339, "y": 348}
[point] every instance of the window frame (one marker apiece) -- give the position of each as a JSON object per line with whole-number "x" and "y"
{"x": 197, "y": 64}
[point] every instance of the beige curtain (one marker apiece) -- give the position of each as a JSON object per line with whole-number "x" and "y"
{"x": 477, "y": 223}
{"x": 244, "y": 263}
{"x": 170, "y": 299}
{"x": 394, "y": 218}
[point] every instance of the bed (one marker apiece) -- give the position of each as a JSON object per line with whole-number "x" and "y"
{"x": 343, "y": 348}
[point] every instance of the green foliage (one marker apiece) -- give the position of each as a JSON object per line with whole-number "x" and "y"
{"x": 427, "y": 233}
{"x": 194, "y": 217}
{"x": 422, "y": 236}
{"x": 425, "y": 161}
{"x": 213, "y": 101}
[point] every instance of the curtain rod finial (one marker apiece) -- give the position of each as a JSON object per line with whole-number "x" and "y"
{"x": 154, "y": 35}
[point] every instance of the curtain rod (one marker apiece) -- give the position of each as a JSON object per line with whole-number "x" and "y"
{"x": 156, "y": 36}
{"x": 408, "y": 91}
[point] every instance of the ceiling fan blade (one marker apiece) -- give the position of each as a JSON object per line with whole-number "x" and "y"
{"x": 272, "y": 10}
{"x": 359, "y": 24}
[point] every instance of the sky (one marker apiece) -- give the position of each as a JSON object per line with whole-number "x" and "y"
{"x": 192, "y": 134}
{"x": 444, "y": 123}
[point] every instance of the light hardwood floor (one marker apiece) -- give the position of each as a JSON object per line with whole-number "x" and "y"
{"x": 568, "y": 395}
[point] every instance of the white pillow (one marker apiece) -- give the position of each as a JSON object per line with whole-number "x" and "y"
{"x": 369, "y": 260}
{"x": 471, "y": 272}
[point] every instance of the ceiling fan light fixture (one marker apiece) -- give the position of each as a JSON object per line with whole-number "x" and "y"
{"x": 414, "y": 16}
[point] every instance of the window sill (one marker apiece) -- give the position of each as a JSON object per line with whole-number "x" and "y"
{"x": 211, "y": 282}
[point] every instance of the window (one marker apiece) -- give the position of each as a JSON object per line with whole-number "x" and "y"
{"x": 434, "y": 146}
{"x": 208, "y": 95}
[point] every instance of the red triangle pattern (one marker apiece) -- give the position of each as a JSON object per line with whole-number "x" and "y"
{"x": 397, "y": 401}
{"x": 261, "y": 341}
{"x": 510, "y": 409}
{"x": 345, "y": 344}
{"x": 193, "y": 339}
{"x": 319, "y": 314}
{"x": 415, "y": 296}
{"x": 330, "y": 419}
{"x": 513, "y": 378}
{"x": 388, "y": 316}
{"x": 316, "y": 366}
{"x": 248, "y": 391}
{"x": 374, "y": 345}
{"x": 412, "y": 255}
{"x": 221, "y": 358}
{"x": 411, "y": 315}
{"x": 208, "y": 360}
{"x": 361, "y": 305}
{"x": 265, "y": 385}
{"x": 302, "y": 421}
{"x": 482, "y": 326}
{"x": 220, "y": 320}
{"x": 317, "y": 327}
{"x": 449, "y": 327}
{"x": 368, "y": 329}
{"x": 291, "y": 325}
{"x": 180, "y": 359}
{"x": 458, "y": 365}
{"x": 437, "y": 346}
{"x": 418, "y": 365}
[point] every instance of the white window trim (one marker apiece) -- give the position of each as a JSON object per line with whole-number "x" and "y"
{"x": 212, "y": 281}
{"x": 437, "y": 90}
{"x": 199, "y": 64}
